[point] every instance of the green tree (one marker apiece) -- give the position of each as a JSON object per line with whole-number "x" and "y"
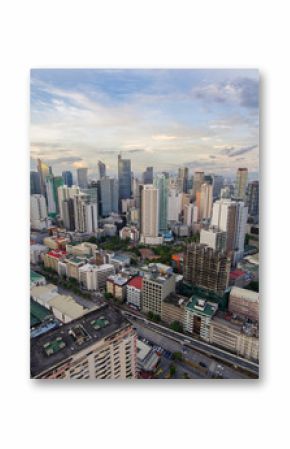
{"x": 172, "y": 369}
{"x": 176, "y": 326}
{"x": 177, "y": 356}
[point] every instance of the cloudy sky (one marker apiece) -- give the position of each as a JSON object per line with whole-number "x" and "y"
{"x": 204, "y": 119}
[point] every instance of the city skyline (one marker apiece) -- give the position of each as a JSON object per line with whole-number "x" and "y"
{"x": 209, "y": 116}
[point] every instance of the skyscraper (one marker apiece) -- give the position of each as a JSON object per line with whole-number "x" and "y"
{"x": 149, "y": 211}
{"x": 161, "y": 183}
{"x": 241, "y": 184}
{"x": 35, "y": 185}
{"x": 67, "y": 178}
{"x": 109, "y": 195}
{"x": 231, "y": 217}
{"x": 217, "y": 184}
{"x": 148, "y": 176}
{"x": 174, "y": 204}
{"x": 86, "y": 214}
{"x": 182, "y": 179}
{"x": 64, "y": 193}
{"x": 43, "y": 171}
{"x": 101, "y": 170}
{"x": 51, "y": 197}
{"x": 253, "y": 198}
{"x": 205, "y": 201}
{"x": 82, "y": 177}
{"x": 68, "y": 214}
{"x": 124, "y": 177}
{"x": 206, "y": 268}
{"x": 198, "y": 180}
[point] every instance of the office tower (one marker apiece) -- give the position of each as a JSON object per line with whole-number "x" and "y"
{"x": 231, "y": 217}
{"x": 136, "y": 192}
{"x": 100, "y": 345}
{"x": 109, "y": 192}
{"x": 124, "y": 177}
{"x": 64, "y": 193}
{"x": 35, "y": 186}
{"x": 101, "y": 170}
{"x": 86, "y": 214}
{"x": 253, "y": 198}
{"x": 52, "y": 184}
{"x": 68, "y": 214}
{"x": 43, "y": 171}
{"x": 205, "y": 201}
{"x": 161, "y": 183}
{"x": 206, "y": 268}
{"x": 155, "y": 289}
{"x": 57, "y": 182}
{"x": 241, "y": 184}
{"x": 198, "y": 180}
{"x": 82, "y": 177}
{"x": 67, "y": 178}
{"x": 38, "y": 212}
{"x": 188, "y": 214}
{"x": 149, "y": 211}
{"x": 217, "y": 184}
{"x": 174, "y": 204}
{"x": 214, "y": 238}
{"x": 147, "y": 176}
{"x": 182, "y": 179}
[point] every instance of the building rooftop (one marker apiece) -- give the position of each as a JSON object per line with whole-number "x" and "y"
{"x": 119, "y": 280}
{"x": 236, "y": 274}
{"x": 201, "y": 306}
{"x": 136, "y": 282}
{"x": 36, "y": 277}
{"x": 244, "y": 293}
{"x": 57, "y": 253}
{"x": 38, "y": 313}
{"x": 58, "y": 345}
{"x": 176, "y": 300}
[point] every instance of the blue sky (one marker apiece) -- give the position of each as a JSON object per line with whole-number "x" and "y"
{"x": 205, "y": 119}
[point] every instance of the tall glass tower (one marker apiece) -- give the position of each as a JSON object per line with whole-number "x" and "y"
{"x": 161, "y": 183}
{"x": 124, "y": 176}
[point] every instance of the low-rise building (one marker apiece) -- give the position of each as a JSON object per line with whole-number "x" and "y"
{"x": 244, "y": 303}
{"x": 36, "y": 279}
{"x": 116, "y": 285}
{"x": 134, "y": 291}
{"x": 147, "y": 359}
{"x": 37, "y": 252}
{"x": 84, "y": 249}
{"x": 130, "y": 233}
{"x": 173, "y": 308}
{"x": 198, "y": 315}
{"x": 94, "y": 277}
{"x": 155, "y": 289}
{"x": 52, "y": 258}
{"x": 55, "y": 242}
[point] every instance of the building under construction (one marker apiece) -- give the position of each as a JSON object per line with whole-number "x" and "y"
{"x": 206, "y": 268}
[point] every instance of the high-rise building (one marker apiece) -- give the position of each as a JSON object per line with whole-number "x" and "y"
{"x": 52, "y": 184}
{"x": 148, "y": 176}
{"x": 217, "y": 184}
{"x": 67, "y": 178}
{"x": 182, "y": 179}
{"x": 174, "y": 204}
{"x": 99, "y": 345}
{"x": 231, "y": 217}
{"x": 43, "y": 171}
{"x": 149, "y": 211}
{"x": 161, "y": 183}
{"x": 206, "y": 201}
{"x": 101, "y": 170}
{"x": 109, "y": 191}
{"x": 241, "y": 184}
{"x": 86, "y": 214}
{"x": 253, "y": 198}
{"x": 65, "y": 193}
{"x": 155, "y": 289}
{"x": 82, "y": 177}
{"x": 38, "y": 212}
{"x": 35, "y": 186}
{"x": 198, "y": 180}
{"x": 68, "y": 214}
{"x": 206, "y": 268}
{"x": 214, "y": 238}
{"x": 124, "y": 177}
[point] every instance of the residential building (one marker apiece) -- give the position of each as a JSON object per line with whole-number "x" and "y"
{"x": 134, "y": 291}
{"x": 38, "y": 212}
{"x": 214, "y": 238}
{"x": 130, "y": 233}
{"x": 161, "y": 183}
{"x": 173, "y": 309}
{"x": 82, "y": 177}
{"x": 174, "y": 204}
{"x": 65, "y": 193}
{"x": 206, "y": 268}
{"x": 116, "y": 285}
{"x": 52, "y": 258}
{"x": 100, "y": 345}
{"x": 37, "y": 252}
{"x": 241, "y": 184}
{"x": 253, "y": 198}
{"x": 182, "y": 179}
{"x": 149, "y": 212}
{"x": 86, "y": 214}
{"x": 84, "y": 249}
{"x": 43, "y": 171}
{"x": 206, "y": 198}
{"x": 244, "y": 303}
{"x": 155, "y": 289}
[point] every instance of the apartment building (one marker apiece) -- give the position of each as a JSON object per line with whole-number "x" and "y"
{"x": 134, "y": 291}
{"x": 244, "y": 303}
{"x": 100, "y": 345}
{"x": 173, "y": 308}
{"x": 116, "y": 285}
{"x": 94, "y": 277}
{"x": 155, "y": 289}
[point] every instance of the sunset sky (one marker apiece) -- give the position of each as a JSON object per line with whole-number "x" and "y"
{"x": 204, "y": 119}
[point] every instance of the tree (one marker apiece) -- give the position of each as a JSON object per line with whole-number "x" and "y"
{"x": 176, "y": 326}
{"x": 108, "y": 295}
{"x": 150, "y": 315}
{"x": 93, "y": 240}
{"x": 172, "y": 370}
{"x": 177, "y": 356}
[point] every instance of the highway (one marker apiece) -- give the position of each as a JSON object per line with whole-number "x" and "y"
{"x": 192, "y": 343}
